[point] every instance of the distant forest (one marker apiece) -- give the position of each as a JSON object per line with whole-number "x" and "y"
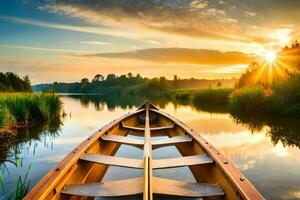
{"x": 10, "y": 82}
{"x": 131, "y": 84}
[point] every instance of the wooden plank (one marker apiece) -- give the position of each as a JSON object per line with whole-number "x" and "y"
{"x": 117, "y": 188}
{"x": 162, "y": 128}
{"x": 151, "y": 129}
{"x": 123, "y": 140}
{"x": 134, "y": 186}
{"x": 114, "y": 161}
{"x": 182, "y": 161}
{"x": 171, "y": 141}
{"x": 185, "y": 189}
{"x": 148, "y": 193}
{"x": 133, "y": 127}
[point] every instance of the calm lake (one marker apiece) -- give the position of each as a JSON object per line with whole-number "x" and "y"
{"x": 266, "y": 151}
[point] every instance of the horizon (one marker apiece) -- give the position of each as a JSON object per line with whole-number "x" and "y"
{"x": 65, "y": 41}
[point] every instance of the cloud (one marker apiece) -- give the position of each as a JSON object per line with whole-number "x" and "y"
{"x": 42, "y": 49}
{"x": 229, "y": 21}
{"x": 182, "y": 55}
{"x": 192, "y": 18}
{"x": 96, "y": 43}
{"x": 84, "y": 29}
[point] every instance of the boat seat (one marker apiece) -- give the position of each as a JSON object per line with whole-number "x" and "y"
{"x": 181, "y": 161}
{"x": 140, "y": 143}
{"x": 134, "y": 186}
{"x": 171, "y": 141}
{"x": 123, "y": 140}
{"x": 114, "y": 161}
{"x": 151, "y": 129}
{"x": 139, "y": 164}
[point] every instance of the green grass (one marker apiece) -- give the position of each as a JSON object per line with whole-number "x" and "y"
{"x": 247, "y": 100}
{"x": 184, "y": 95}
{"x": 212, "y": 96}
{"x": 23, "y": 109}
{"x": 282, "y": 97}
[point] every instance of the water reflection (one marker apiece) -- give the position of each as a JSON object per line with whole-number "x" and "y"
{"x": 264, "y": 148}
{"x": 10, "y": 144}
{"x": 281, "y": 129}
{"x": 285, "y": 130}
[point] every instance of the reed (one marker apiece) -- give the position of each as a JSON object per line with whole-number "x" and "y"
{"x": 212, "y": 96}
{"x": 247, "y": 100}
{"x": 25, "y": 109}
{"x": 282, "y": 97}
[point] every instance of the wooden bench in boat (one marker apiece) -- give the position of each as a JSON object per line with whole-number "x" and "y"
{"x": 151, "y": 129}
{"x": 140, "y": 143}
{"x": 134, "y": 186}
{"x": 139, "y": 164}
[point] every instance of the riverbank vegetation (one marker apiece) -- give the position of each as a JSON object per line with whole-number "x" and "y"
{"x": 25, "y": 109}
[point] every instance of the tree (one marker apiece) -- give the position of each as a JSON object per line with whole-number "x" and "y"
{"x": 84, "y": 82}
{"x": 295, "y": 44}
{"x": 98, "y": 78}
{"x": 11, "y": 82}
{"x": 175, "y": 81}
{"x": 111, "y": 77}
{"x": 219, "y": 84}
{"x": 129, "y": 75}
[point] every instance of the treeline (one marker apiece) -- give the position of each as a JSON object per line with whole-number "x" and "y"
{"x": 131, "y": 84}
{"x": 11, "y": 82}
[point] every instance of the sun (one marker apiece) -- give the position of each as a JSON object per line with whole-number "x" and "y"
{"x": 270, "y": 56}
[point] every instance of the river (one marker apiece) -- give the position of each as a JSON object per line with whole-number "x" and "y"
{"x": 266, "y": 152}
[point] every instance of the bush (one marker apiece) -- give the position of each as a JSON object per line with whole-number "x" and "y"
{"x": 247, "y": 100}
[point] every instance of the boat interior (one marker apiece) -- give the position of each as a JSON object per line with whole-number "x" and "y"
{"x": 146, "y": 155}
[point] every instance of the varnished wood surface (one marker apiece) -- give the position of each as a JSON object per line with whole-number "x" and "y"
{"x": 182, "y": 161}
{"x": 123, "y": 140}
{"x": 134, "y": 186}
{"x": 171, "y": 141}
{"x": 185, "y": 189}
{"x": 148, "y": 193}
{"x": 140, "y": 143}
{"x": 151, "y": 129}
{"x": 113, "y": 160}
{"x": 107, "y": 189}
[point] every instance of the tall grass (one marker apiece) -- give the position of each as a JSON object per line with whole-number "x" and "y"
{"x": 282, "y": 97}
{"x": 23, "y": 109}
{"x": 212, "y": 96}
{"x": 184, "y": 95}
{"x": 247, "y": 100}
{"x": 22, "y": 186}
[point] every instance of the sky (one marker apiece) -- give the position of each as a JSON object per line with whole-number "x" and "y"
{"x": 67, "y": 40}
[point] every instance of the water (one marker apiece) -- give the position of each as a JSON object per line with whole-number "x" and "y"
{"x": 265, "y": 150}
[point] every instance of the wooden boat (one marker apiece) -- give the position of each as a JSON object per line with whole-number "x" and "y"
{"x": 79, "y": 175}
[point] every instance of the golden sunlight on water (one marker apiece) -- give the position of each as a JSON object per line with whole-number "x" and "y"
{"x": 271, "y": 165}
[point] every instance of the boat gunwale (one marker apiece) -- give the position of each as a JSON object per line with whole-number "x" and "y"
{"x": 49, "y": 181}
{"x": 244, "y": 186}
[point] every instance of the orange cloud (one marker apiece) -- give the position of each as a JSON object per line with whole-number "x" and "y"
{"x": 183, "y": 55}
